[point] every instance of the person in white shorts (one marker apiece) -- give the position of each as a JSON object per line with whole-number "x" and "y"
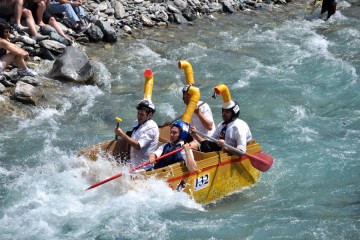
{"x": 10, "y": 52}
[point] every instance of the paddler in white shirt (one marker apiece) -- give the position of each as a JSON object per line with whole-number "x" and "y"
{"x": 144, "y": 137}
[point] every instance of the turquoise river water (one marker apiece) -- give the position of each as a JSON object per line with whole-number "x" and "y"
{"x": 296, "y": 78}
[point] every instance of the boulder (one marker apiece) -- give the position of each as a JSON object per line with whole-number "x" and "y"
{"x": 27, "y": 93}
{"x": 95, "y": 34}
{"x": 53, "y": 45}
{"x": 109, "y": 32}
{"x": 119, "y": 9}
{"x": 72, "y": 65}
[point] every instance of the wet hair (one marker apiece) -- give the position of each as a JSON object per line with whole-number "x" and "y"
{"x": 3, "y": 28}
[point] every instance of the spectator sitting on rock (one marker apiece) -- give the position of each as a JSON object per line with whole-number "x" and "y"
{"x": 10, "y": 52}
{"x": 74, "y": 12}
{"x": 42, "y": 16}
{"x": 14, "y": 9}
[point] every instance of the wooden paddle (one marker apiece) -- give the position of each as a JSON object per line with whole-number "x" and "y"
{"x": 133, "y": 169}
{"x": 118, "y": 120}
{"x": 260, "y": 161}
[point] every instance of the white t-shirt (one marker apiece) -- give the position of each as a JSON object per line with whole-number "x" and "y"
{"x": 195, "y": 120}
{"x": 237, "y": 133}
{"x": 148, "y": 137}
{"x": 160, "y": 149}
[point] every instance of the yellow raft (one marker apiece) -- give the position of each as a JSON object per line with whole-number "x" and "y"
{"x": 219, "y": 173}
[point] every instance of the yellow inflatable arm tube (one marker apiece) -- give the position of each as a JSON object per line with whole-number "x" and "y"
{"x": 224, "y": 91}
{"x": 225, "y": 94}
{"x": 149, "y": 83}
{"x": 189, "y": 75}
{"x": 195, "y": 97}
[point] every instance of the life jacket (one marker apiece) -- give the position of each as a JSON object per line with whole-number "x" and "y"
{"x": 173, "y": 158}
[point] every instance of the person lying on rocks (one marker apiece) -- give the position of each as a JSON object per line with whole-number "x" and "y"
{"x": 43, "y": 17}
{"x": 10, "y": 52}
{"x": 13, "y": 10}
{"x": 74, "y": 13}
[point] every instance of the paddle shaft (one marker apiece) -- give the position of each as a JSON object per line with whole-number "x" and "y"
{"x": 261, "y": 162}
{"x": 117, "y": 126}
{"x": 134, "y": 168}
{"x": 226, "y": 145}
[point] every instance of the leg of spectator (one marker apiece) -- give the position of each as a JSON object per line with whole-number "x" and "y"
{"x": 29, "y": 21}
{"x": 79, "y": 11}
{"x": 18, "y": 6}
{"x": 65, "y": 7}
{"x": 40, "y": 10}
{"x": 20, "y": 63}
{"x": 31, "y": 24}
{"x": 54, "y": 24}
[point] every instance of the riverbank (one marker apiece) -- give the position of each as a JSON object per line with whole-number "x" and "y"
{"x": 109, "y": 21}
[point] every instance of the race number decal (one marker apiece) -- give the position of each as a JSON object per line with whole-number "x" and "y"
{"x": 202, "y": 182}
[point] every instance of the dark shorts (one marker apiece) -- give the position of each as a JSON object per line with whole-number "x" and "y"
{"x": 208, "y": 146}
{"x": 32, "y": 7}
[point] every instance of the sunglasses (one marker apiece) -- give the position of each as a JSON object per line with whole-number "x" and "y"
{"x": 6, "y": 31}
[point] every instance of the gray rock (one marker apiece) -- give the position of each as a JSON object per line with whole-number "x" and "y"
{"x": 189, "y": 14}
{"x": 47, "y": 29}
{"x": 6, "y": 83}
{"x": 110, "y": 34}
{"x": 180, "y": 4}
{"x": 215, "y": 7}
{"x": 127, "y": 29}
{"x": 30, "y": 80}
{"x": 110, "y": 11}
{"x": 119, "y": 10}
{"x": 72, "y": 65}
{"x": 228, "y": 6}
{"x": 95, "y": 34}
{"x": 162, "y": 16}
{"x": 179, "y": 19}
{"x": 173, "y": 9}
{"x": 27, "y": 93}
{"x": 25, "y": 39}
{"x": 53, "y": 45}
{"x": 102, "y": 6}
{"x": 147, "y": 21}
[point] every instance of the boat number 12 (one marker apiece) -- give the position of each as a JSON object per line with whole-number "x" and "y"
{"x": 202, "y": 182}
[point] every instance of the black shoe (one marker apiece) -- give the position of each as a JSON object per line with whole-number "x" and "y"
{"x": 82, "y": 28}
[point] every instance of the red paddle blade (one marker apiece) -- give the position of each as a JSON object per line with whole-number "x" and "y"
{"x": 104, "y": 181}
{"x": 261, "y": 161}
